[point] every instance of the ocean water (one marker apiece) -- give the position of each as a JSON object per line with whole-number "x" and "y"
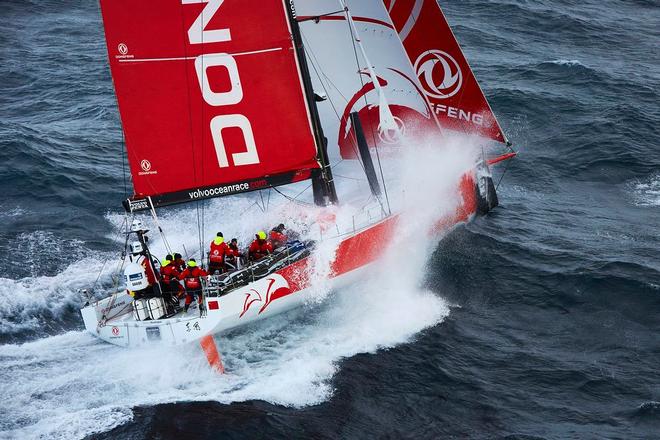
{"x": 541, "y": 320}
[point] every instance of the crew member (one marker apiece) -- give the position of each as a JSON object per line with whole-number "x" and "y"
{"x": 193, "y": 283}
{"x": 179, "y": 262}
{"x": 169, "y": 275}
{"x": 233, "y": 257}
{"x": 219, "y": 250}
{"x": 277, "y": 236}
{"x": 260, "y": 247}
{"x": 138, "y": 255}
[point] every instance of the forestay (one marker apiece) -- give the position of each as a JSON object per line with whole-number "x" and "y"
{"x": 442, "y": 70}
{"x": 210, "y": 97}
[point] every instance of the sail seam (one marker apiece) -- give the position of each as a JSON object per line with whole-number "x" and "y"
{"x": 252, "y": 52}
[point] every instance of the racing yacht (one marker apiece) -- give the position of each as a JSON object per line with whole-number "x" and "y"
{"x": 223, "y": 97}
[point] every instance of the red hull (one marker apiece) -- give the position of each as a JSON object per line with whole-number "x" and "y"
{"x": 365, "y": 246}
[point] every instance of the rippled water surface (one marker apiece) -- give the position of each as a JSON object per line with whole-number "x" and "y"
{"x": 541, "y": 320}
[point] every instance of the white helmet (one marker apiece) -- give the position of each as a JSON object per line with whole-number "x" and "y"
{"x": 136, "y": 225}
{"x": 136, "y": 248}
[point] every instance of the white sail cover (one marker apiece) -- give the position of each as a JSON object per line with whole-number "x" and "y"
{"x": 339, "y": 70}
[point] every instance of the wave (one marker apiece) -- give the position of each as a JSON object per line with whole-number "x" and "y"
{"x": 646, "y": 192}
{"x": 71, "y": 385}
{"x": 564, "y": 62}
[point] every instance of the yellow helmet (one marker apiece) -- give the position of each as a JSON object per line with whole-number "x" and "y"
{"x": 261, "y": 235}
{"x": 218, "y": 240}
{"x": 164, "y": 262}
{"x": 192, "y": 263}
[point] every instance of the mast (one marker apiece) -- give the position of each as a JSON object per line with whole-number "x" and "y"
{"x": 322, "y": 181}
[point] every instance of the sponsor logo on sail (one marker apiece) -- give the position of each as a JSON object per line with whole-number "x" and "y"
{"x": 218, "y": 190}
{"x": 122, "y": 48}
{"x": 146, "y": 168}
{"x": 439, "y": 74}
{"x": 389, "y": 136}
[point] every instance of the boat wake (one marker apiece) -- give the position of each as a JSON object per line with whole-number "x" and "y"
{"x": 73, "y": 385}
{"x": 646, "y": 192}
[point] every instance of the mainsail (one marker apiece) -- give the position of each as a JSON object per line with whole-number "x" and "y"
{"x": 441, "y": 67}
{"x": 210, "y": 95}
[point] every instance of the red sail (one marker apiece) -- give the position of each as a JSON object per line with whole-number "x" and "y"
{"x": 210, "y": 96}
{"x": 442, "y": 69}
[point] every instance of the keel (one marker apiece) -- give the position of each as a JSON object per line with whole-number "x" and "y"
{"x": 211, "y": 352}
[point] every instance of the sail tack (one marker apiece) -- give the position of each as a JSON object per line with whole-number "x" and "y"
{"x": 210, "y": 97}
{"x": 441, "y": 68}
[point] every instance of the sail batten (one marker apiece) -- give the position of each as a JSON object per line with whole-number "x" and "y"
{"x": 210, "y": 96}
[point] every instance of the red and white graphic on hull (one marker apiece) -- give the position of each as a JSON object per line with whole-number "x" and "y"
{"x": 442, "y": 69}
{"x": 204, "y": 89}
{"x": 266, "y": 291}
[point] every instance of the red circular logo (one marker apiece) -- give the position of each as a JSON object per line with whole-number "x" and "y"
{"x": 115, "y": 331}
{"x": 439, "y": 73}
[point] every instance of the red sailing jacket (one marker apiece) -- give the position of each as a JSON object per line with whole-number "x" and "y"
{"x": 180, "y": 264}
{"x": 233, "y": 252}
{"x": 191, "y": 277}
{"x": 277, "y": 238}
{"x": 218, "y": 252}
{"x": 168, "y": 273}
{"x": 259, "y": 249}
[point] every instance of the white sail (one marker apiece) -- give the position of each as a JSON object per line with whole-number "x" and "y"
{"x": 374, "y": 78}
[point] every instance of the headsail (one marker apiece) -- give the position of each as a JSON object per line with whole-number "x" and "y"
{"x": 210, "y": 96}
{"x": 341, "y": 71}
{"x": 441, "y": 67}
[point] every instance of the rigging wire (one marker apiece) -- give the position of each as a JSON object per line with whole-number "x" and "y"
{"x": 355, "y": 38}
{"x": 160, "y": 229}
{"x": 332, "y": 104}
{"x": 202, "y": 204}
{"x": 121, "y": 228}
{"x": 190, "y": 121}
{"x": 124, "y": 158}
{"x": 352, "y": 137}
{"x": 294, "y": 199}
{"x": 508, "y": 162}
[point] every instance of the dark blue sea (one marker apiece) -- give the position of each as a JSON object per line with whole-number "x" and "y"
{"x": 538, "y": 321}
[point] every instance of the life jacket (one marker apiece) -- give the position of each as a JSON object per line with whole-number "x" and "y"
{"x": 191, "y": 278}
{"x": 259, "y": 249}
{"x": 169, "y": 272}
{"x": 180, "y": 264}
{"x": 277, "y": 238}
{"x": 218, "y": 251}
{"x": 233, "y": 251}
